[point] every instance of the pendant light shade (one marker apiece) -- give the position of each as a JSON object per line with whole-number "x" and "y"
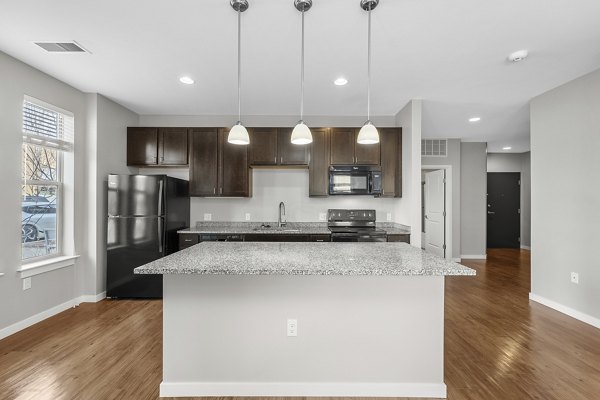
{"x": 368, "y": 133}
{"x": 238, "y": 133}
{"x": 301, "y": 133}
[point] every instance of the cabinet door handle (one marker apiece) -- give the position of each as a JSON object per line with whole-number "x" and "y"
{"x": 275, "y": 159}
{"x": 220, "y": 190}
{"x": 214, "y": 190}
{"x": 281, "y": 160}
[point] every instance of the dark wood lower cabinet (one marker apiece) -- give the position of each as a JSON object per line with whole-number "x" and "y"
{"x": 398, "y": 238}
{"x": 188, "y": 240}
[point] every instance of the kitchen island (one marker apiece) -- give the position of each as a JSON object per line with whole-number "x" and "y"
{"x": 368, "y": 319}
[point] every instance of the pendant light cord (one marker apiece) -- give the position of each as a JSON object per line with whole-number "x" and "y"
{"x": 239, "y": 65}
{"x": 369, "y": 68}
{"x": 302, "y": 72}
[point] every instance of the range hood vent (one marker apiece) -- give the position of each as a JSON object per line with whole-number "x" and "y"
{"x": 61, "y": 47}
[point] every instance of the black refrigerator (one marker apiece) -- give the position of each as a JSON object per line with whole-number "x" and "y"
{"x": 144, "y": 213}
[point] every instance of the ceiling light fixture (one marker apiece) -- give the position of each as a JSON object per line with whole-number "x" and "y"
{"x": 301, "y": 133}
{"x": 340, "y": 81}
{"x": 518, "y": 56}
{"x": 506, "y": 148}
{"x": 368, "y": 133}
{"x": 187, "y": 80}
{"x": 238, "y": 133}
{"x": 475, "y": 119}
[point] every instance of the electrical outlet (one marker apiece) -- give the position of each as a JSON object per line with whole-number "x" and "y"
{"x": 27, "y": 283}
{"x": 389, "y": 216}
{"x": 208, "y": 217}
{"x": 292, "y": 327}
{"x": 322, "y": 216}
{"x": 575, "y": 278}
{"x": 247, "y": 216}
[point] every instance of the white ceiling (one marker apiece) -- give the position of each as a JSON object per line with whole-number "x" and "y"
{"x": 451, "y": 54}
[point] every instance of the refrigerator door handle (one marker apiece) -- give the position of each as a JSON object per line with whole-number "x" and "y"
{"x": 160, "y": 197}
{"x": 160, "y": 235}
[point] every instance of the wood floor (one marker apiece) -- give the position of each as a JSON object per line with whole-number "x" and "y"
{"x": 498, "y": 345}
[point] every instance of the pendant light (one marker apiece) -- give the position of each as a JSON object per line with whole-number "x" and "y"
{"x": 301, "y": 133}
{"x": 238, "y": 133}
{"x": 368, "y": 133}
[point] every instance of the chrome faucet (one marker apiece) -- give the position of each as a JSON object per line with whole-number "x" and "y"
{"x": 281, "y": 221}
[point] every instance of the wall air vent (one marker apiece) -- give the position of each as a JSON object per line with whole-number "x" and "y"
{"x": 61, "y": 47}
{"x": 434, "y": 147}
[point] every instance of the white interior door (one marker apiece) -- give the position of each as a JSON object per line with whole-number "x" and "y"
{"x": 435, "y": 207}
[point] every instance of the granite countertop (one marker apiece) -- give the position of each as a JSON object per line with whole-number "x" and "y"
{"x": 299, "y": 228}
{"x": 242, "y": 228}
{"x": 313, "y": 258}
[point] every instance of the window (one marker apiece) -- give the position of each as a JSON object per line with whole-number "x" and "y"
{"x": 47, "y": 135}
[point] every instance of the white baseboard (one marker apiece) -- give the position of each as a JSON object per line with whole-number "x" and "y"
{"x": 91, "y": 298}
{"x": 34, "y": 319}
{"x": 456, "y": 259}
{"x": 525, "y": 247}
{"x": 473, "y": 256}
{"x": 303, "y": 389}
{"x": 588, "y": 319}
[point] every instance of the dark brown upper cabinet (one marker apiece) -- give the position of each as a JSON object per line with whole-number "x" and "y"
{"x": 273, "y": 146}
{"x": 391, "y": 161}
{"x": 263, "y": 146}
{"x": 217, "y": 168}
{"x": 345, "y": 150}
{"x": 157, "y": 146}
{"x": 289, "y": 153}
{"x": 204, "y": 162}
{"x": 142, "y": 146}
{"x": 234, "y": 174}
{"x": 173, "y": 146}
{"x": 318, "y": 169}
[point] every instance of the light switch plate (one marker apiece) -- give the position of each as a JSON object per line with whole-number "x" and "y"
{"x": 389, "y": 216}
{"x": 247, "y": 216}
{"x": 27, "y": 283}
{"x": 208, "y": 217}
{"x": 575, "y": 278}
{"x": 292, "y": 327}
{"x": 322, "y": 216}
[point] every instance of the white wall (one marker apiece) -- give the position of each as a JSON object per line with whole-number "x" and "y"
{"x": 517, "y": 162}
{"x": 565, "y": 138}
{"x": 473, "y": 197}
{"x": 453, "y": 159}
{"x": 57, "y": 287}
{"x": 409, "y": 118}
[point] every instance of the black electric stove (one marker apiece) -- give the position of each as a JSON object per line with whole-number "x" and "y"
{"x": 354, "y": 226}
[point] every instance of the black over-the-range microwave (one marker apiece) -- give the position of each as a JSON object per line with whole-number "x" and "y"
{"x": 355, "y": 180}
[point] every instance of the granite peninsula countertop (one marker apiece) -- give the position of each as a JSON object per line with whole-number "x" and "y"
{"x": 313, "y": 258}
{"x": 297, "y": 228}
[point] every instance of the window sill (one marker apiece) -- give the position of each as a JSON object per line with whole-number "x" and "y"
{"x": 41, "y": 267}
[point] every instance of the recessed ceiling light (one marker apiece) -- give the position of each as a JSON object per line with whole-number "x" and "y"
{"x": 518, "y": 55}
{"x": 340, "y": 81}
{"x": 506, "y": 148}
{"x": 187, "y": 80}
{"x": 475, "y": 119}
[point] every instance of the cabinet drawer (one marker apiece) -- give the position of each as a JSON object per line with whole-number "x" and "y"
{"x": 188, "y": 240}
{"x": 320, "y": 238}
{"x": 398, "y": 238}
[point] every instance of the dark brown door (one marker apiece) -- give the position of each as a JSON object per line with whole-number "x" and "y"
{"x": 289, "y": 153}
{"x": 204, "y": 150}
{"x": 173, "y": 146}
{"x": 388, "y": 138}
{"x": 503, "y": 209}
{"x": 234, "y": 176}
{"x": 142, "y": 146}
{"x": 366, "y": 154}
{"x": 342, "y": 146}
{"x": 263, "y": 146}
{"x": 318, "y": 169}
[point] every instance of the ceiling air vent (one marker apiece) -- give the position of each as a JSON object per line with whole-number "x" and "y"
{"x": 61, "y": 47}
{"x": 434, "y": 147}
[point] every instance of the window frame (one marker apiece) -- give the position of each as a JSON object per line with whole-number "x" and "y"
{"x": 59, "y": 182}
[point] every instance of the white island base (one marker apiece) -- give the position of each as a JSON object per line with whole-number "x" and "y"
{"x": 226, "y": 335}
